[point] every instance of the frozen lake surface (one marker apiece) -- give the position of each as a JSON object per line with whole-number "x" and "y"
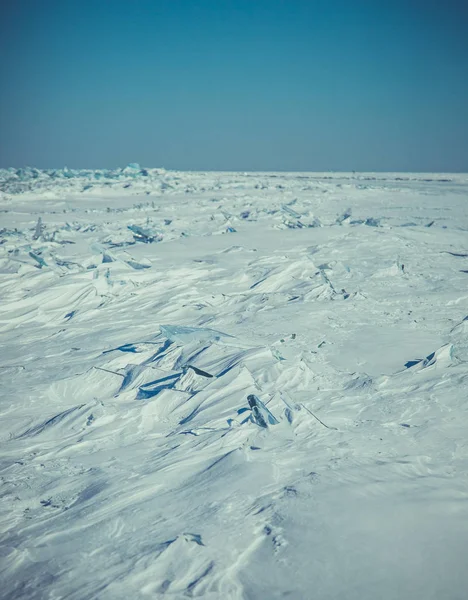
{"x": 139, "y": 311}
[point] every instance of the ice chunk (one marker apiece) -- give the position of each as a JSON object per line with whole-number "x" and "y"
{"x": 41, "y": 262}
{"x": 371, "y": 222}
{"x": 315, "y": 222}
{"x": 344, "y": 217}
{"x": 107, "y": 258}
{"x": 290, "y": 211}
{"x": 193, "y": 380}
{"x": 144, "y": 235}
{"x": 99, "y": 249}
{"x": 179, "y": 333}
{"x": 294, "y": 224}
{"x": 39, "y": 229}
{"x": 137, "y": 266}
{"x": 442, "y": 357}
{"x": 260, "y": 413}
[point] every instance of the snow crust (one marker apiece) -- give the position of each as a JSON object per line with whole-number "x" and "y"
{"x": 233, "y": 385}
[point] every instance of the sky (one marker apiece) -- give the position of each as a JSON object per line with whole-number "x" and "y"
{"x": 290, "y": 85}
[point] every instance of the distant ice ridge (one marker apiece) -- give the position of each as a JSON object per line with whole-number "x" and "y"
{"x": 18, "y": 181}
{"x": 26, "y": 173}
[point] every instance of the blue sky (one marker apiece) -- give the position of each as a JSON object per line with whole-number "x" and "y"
{"x": 235, "y": 85}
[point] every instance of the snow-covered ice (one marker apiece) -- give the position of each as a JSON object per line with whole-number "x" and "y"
{"x": 233, "y": 386}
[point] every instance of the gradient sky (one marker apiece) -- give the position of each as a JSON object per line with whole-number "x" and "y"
{"x": 235, "y": 85}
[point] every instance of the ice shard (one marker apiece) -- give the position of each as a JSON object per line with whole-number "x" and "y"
{"x": 39, "y": 229}
{"x": 260, "y": 413}
{"x": 41, "y": 262}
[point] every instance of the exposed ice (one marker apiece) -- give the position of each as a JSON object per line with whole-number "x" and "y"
{"x": 260, "y": 413}
{"x": 183, "y": 334}
{"x": 40, "y": 261}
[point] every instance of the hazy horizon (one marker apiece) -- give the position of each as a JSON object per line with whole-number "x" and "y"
{"x": 237, "y": 171}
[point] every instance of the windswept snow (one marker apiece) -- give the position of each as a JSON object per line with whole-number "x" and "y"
{"x": 233, "y": 386}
